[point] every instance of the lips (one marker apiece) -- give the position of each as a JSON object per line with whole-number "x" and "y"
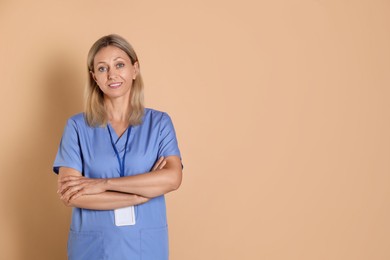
{"x": 115, "y": 85}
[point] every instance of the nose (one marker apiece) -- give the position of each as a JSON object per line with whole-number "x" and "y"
{"x": 111, "y": 74}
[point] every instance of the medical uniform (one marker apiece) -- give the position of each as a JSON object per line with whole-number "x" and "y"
{"x": 93, "y": 233}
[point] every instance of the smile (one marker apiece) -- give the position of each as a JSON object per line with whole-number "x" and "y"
{"x": 115, "y": 85}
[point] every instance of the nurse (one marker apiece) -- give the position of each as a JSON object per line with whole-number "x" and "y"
{"x": 116, "y": 161}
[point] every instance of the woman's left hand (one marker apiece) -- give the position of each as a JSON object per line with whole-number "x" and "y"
{"x": 72, "y": 187}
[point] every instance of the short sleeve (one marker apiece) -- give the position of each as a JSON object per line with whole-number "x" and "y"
{"x": 69, "y": 151}
{"x": 168, "y": 144}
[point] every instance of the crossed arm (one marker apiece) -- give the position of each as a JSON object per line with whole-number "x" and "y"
{"x": 112, "y": 193}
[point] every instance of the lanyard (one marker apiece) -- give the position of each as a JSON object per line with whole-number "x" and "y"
{"x": 121, "y": 162}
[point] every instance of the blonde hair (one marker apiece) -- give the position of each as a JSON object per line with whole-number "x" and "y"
{"x": 95, "y": 112}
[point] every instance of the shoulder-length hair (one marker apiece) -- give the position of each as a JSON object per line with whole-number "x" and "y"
{"x": 95, "y": 112}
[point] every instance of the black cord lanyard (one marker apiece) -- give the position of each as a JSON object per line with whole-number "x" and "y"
{"x": 121, "y": 162}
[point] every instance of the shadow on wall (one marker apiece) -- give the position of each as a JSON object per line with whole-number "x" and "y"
{"x": 42, "y": 221}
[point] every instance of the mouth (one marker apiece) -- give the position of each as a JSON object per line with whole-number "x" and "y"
{"x": 115, "y": 85}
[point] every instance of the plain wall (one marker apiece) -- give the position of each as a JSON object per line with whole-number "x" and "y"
{"x": 281, "y": 109}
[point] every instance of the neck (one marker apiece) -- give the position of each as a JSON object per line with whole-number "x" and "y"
{"x": 118, "y": 110}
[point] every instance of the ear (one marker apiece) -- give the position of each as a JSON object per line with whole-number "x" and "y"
{"x": 136, "y": 69}
{"x": 93, "y": 75}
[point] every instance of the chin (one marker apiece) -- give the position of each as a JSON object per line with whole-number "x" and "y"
{"x": 116, "y": 95}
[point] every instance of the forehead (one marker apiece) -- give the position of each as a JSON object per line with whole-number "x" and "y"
{"x": 109, "y": 53}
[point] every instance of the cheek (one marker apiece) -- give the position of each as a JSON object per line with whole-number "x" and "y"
{"x": 128, "y": 74}
{"x": 100, "y": 81}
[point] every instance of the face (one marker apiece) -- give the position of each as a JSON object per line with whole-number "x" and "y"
{"x": 113, "y": 72}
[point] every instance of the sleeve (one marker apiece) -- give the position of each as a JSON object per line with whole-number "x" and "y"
{"x": 168, "y": 144}
{"x": 69, "y": 151}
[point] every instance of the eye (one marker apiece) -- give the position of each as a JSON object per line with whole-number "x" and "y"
{"x": 120, "y": 65}
{"x": 102, "y": 69}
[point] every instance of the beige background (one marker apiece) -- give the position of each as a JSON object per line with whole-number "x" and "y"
{"x": 281, "y": 109}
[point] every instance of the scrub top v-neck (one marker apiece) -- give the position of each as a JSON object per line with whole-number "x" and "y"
{"x": 89, "y": 150}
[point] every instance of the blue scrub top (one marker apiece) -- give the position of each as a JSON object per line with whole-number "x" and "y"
{"x": 93, "y": 233}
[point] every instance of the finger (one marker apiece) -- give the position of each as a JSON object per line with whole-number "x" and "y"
{"x": 76, "y": 195}
{"x": 66, "y": 190}
{"x": 66, "y": 194}
{"x": 65, "y": 197}
{"x": 69, "y": 192}
{"x": 161, "y": 159}
{"x": 162, "y": 164}
{"x": 63, "y": 187}
{"x": 69, "y": 184}
{"x": 156, "y": 165}
{"x": 62, "y": 192}
{"x": 70, "y": 195}
{"x": 69, "y": 179}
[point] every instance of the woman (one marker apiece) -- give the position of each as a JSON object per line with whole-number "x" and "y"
{"x": 116, "y": 161}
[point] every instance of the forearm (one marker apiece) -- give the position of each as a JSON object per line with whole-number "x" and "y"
{"x": 152, "y": 184}
{"x": 149, "y": 185}
{"x": 165, "y": 177}
{"x": 106, "y": 201}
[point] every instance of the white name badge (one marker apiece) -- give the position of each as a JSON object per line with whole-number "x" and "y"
{"x": 125, "y": 216}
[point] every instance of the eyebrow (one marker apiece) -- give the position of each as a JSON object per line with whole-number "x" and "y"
{"x": 114, "y": 60}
